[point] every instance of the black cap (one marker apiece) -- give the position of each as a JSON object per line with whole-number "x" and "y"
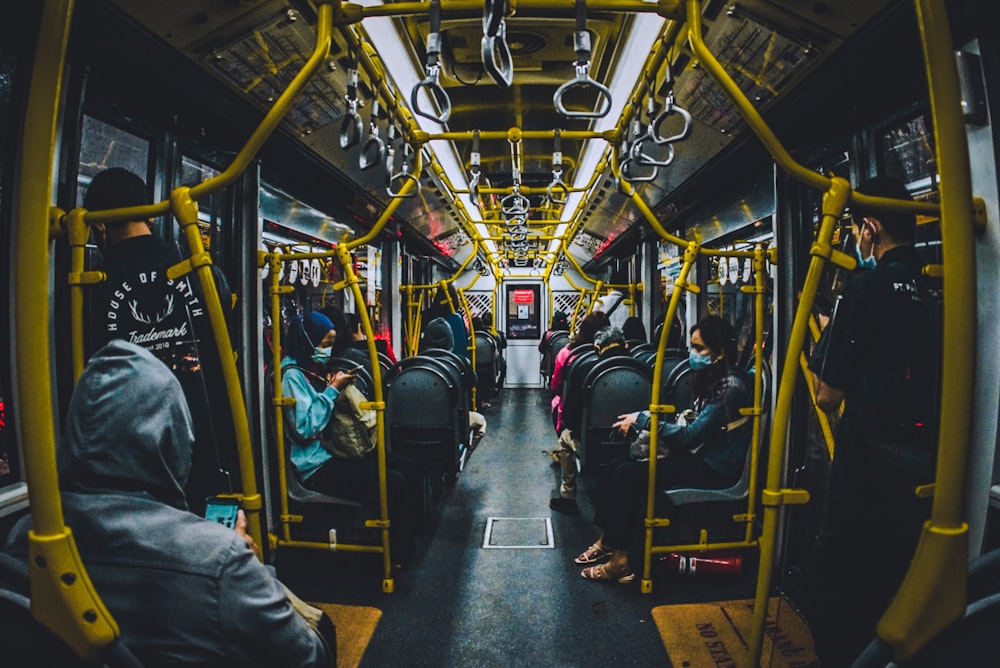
{"x": 116, "y": 188}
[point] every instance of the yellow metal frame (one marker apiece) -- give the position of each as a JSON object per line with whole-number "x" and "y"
{"x": 351, "y": 281}
{"x": 933, "y": 593}
{"x": 756, "y": 411}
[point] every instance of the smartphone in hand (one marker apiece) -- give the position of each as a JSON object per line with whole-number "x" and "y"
{"x": 222, "y": 511}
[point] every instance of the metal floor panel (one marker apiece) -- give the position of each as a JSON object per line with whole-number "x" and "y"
{"x": 518, "y": 532}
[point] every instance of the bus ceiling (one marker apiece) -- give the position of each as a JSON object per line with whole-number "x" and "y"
{"x": 532, "y": 124}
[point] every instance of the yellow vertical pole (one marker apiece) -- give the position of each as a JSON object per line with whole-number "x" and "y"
{"x": 933, "y": 593}
{"x": 200, "y": 262}
{"x": 62, "y": 596}
{"x": 655, "y": 408}
{"x": 344, "y": 255}
{"x": 278, "y": 400}
{"x": 774, "y": 497}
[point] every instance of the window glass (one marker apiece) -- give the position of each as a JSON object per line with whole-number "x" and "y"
{"x": 906, "y": 152}
{"x": 104, "y": 146}
{"x": 211, "y": 209}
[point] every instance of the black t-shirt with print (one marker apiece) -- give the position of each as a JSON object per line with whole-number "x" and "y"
{"x": 139, "y": 303}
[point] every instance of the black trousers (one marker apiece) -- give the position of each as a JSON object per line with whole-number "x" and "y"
{"x": 870, "y": 531}
{"x": 622, "y": 496}
{"x": 356, "y": 478}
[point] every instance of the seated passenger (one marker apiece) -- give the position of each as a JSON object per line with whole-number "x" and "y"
{"x": 361, "y": 343}
{"x": 560, "y": 323}
{"x": 309, "y": 341}
{"x": 634, "y": 330}
{"x": 580, "y": 342}
{"x": 438, "y": 334}
{"x": 182, "y": 589}
{"x": 609, "y": 342}
{"x": 344, "y": 347}
{"x": 445, "y": 305}
{"x": 706, "y": 449}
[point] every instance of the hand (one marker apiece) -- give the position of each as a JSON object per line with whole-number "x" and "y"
{"x": 626, "y": 422}
{"x": 340, "y": 379}
{"x": 241, "y": 530}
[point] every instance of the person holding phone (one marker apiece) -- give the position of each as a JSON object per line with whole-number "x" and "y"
{"x": 308, "y": 345}
{"x": 183, "y": 589}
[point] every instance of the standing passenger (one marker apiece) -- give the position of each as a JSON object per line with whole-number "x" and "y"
{"x": 613, "y": 304}
{"x": 877, "y": 355}
{"x": 182, "y": 589}
{"x": 139, "y": 303}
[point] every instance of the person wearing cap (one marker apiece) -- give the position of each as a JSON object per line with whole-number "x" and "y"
{"x": 182, "y": 589}
{"x": 438, "y": 334}
{"x": 878, "y": 355}
{"x": 308, "y": 344}
{"x": 139, "y": 303}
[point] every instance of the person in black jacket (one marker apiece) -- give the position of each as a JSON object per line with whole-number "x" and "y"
{"x": 139, "y": 303}
{"x": 878, "y": 355}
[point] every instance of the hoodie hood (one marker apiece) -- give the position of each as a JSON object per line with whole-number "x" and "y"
{"x": 438, "y": 334}
{"x": 128, "y": 427}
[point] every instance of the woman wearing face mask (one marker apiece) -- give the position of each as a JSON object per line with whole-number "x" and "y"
{"x": 706, "y": 450}
{"x": 308, "y": 346}
{"x": 304, "y": 377}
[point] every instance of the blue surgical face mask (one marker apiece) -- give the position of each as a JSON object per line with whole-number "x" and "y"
{"x": 697, "y": 361}
{"x": 322, "y": 355}
{"x": 864, "y": 262}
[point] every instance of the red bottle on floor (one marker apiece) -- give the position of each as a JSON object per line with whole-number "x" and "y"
{"x": 709, "y": 563}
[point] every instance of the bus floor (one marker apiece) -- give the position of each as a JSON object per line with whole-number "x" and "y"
{"x": 459, "y": 603}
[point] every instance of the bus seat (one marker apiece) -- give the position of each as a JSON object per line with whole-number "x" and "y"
{"x": 299, "y": 493}
{"x": 487, "y": 368}
{"x": 736, "y": 492}
{"x": 556, "y": 342}
{"x": 613, "y": 386}
{"x": 422, "y": 416}
{"x": 740, "y": 489}
{"x": 364, "y": 382}
{"x": 27, "y": 642}
{"x": 574, "y": 373}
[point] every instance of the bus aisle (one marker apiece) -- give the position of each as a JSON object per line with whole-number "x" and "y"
{"x": 460, "y": 603}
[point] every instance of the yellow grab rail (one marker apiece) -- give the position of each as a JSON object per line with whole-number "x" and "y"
{"x": 934, "y": 591}
{"x": 62, "y": 596}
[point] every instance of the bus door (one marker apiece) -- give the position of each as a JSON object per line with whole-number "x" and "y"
{"x": 523, "y": 324}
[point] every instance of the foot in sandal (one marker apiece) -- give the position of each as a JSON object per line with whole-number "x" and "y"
{"x": 608, "y": 573}
{"x": 594, "y": 554}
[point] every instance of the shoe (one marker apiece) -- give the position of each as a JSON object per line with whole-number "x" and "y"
{"x": 603, "y": 573}
{"x": 593, "y": 555}
{"x": 564, "y": 505}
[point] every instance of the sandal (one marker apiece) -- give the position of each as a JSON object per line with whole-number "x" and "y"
{"x": 602, "y": 573}
{"x": 594, "y": 554}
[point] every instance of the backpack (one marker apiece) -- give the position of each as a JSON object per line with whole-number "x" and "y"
{"x": 351, "y": 429}
{"x": 350, "y": 433}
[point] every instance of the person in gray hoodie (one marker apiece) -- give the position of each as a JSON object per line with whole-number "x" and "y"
{"x": 184, "y": 590}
